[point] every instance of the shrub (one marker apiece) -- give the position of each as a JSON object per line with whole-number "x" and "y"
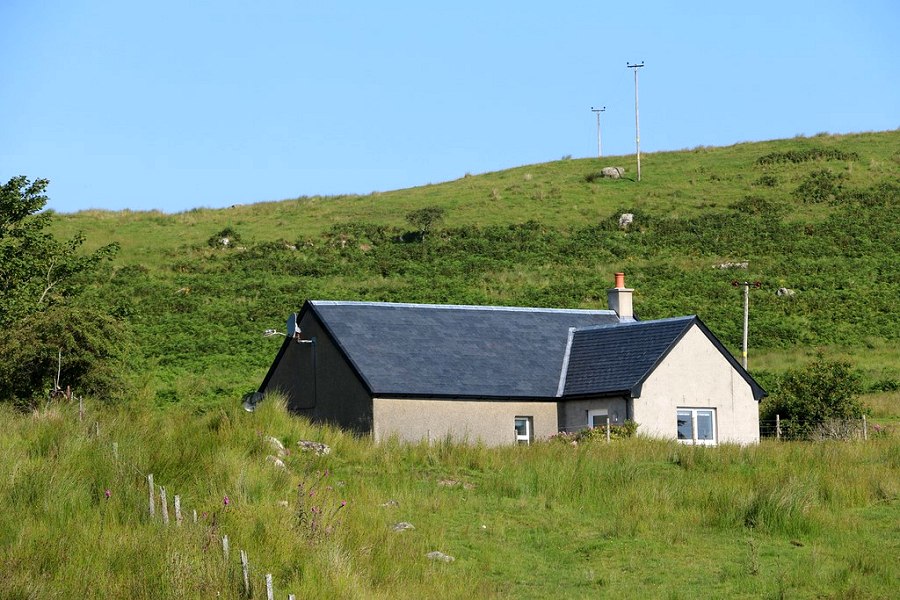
{"x": 806, "y": 155}
{"x": 226, "y": 238}
{"x": 807, "y": 398}
{"x": 820, "y": 186}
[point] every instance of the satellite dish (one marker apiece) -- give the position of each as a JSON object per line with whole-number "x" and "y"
{"x": 292, "y": 326}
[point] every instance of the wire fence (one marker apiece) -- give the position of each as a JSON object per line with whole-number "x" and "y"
{"x": 819, "y": 430}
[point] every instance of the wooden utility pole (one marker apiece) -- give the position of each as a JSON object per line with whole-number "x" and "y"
{"x": 746, "y": 285}
{"x": 637, "y": 120}
{"x": 599, "y": 144}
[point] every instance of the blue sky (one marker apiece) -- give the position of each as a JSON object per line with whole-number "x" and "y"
{"x": 174, "y": 105}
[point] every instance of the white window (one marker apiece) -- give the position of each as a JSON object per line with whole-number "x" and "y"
{"x": 697, "y": 426}
{"x": 524, "y": 430}
{"x": 598, "y": 418}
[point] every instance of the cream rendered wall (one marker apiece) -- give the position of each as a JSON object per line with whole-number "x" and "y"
{"x": 490, "y": 421}
{"x": 696, "y": 375}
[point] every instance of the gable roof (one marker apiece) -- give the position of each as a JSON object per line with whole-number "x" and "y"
{"x": 608, "y": 360}
{"x": 419, "y": 350}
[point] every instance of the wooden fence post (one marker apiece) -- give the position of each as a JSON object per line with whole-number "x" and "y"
{"x": 607, "y": 429}
{"x": 245, "y": 567}
{"x": 195, "y": 515}
{"x": 152, "y": 499}
{"x": 270, "y": 590}
{"x": 225, "y": 547}
{"x": 177, "y": 509}
{"x": 165, "y": 505}
{"x": 777, "y": 427}
{"x": 865, "y": 429}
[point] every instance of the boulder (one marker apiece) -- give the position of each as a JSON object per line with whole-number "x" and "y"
{"x": 318, "y": 447}
{"x": 612, "y": 172}
{"x": 437, "y": 555}
{"x": 785, "y": 292}
{"x": 402, "y": 526}
{"x": 626, "y": 220}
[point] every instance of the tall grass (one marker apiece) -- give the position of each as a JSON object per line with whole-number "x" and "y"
{"x": 525, "y": 521}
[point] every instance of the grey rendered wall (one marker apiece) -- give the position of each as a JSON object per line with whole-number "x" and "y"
{"x": 573, "y": 414}
{"x": 331, "y": 393}
{"x": 491, "y": 422}
{"x": 696, "y": 375}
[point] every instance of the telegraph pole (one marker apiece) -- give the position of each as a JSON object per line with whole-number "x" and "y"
{"x": 637, "y": 121}
{"x": 599, "y": 146}
{"x": 746, "y": 285}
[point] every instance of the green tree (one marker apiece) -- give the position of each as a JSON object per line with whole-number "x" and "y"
{"x": 806, "y": 398}
{"x": 424, "y": 219}
{"x": 41, "y": 282}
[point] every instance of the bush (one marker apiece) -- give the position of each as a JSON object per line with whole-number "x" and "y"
{"x": 808, "y": 398}
{"x": 597, "y": 434}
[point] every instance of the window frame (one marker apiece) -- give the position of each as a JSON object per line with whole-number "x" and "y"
{"x": 528, "y": 437}
{"x": 693, "y": 412}
{"x": 598, "y": 412}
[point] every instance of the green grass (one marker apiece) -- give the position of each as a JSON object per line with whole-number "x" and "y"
{"x": 637, "y": 518}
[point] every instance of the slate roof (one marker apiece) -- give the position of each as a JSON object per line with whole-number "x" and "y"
{"x": 407, "y": 350}
{"x": 613, "y": 360}
{"x": 606, "y": 360}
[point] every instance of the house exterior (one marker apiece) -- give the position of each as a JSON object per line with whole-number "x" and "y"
{"x": 502, "y": 375}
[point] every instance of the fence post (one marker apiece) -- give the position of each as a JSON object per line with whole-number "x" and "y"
{"x": 195, "y": 515}
{"x": 777, "y": 427}
{"x": 607, "y": 429}
{"x": 270, "y": 590}
{"x": 865, "y": 429}
{"x": 225, "y": 547}
{"x": 152, "y": 499}
{"x": 165, "y": 505}
{"x": 177, "y": 510}
{"x": 245, "y": 567}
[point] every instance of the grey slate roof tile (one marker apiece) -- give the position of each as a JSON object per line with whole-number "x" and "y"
{"x": 605, "y": 360}
{"x": 460, "y": 351}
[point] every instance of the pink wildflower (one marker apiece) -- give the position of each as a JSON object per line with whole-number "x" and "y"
{"x": 343, "y": 503}
{"x": 226, "y": 501}
{"x": 107, "y": 493}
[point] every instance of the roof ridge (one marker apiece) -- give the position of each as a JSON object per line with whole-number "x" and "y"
{"x": 685, "y": 318}
{"x": 461, "y": 307}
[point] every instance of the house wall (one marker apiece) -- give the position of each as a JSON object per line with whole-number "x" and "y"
{"x": 489, "y": 421}
{"x": 696, "y": 375}
{"x": 573, "y": 413}
{"x": 332, "y": 392}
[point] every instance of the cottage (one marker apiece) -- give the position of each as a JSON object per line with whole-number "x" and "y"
{"x": 506, "y": 374}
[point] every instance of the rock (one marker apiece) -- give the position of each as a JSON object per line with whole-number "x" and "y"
{"x": 275, "y": 461}
{"x": 402, "y": 526}
{"x": 318, "y": 447}
{"x": 612, "y": 172}
{"x": 283, "y": 503}
{"x": 436, "y": 555}
{"x": 276, "y": 445}
{"x": 389, "y": 503}
{"x": 626, "y": 220}
{"x": 785, "y": 292}
{"x": 732, "y": 265}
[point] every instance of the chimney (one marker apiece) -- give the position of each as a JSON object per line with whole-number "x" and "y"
{"x": 619, "y": 299}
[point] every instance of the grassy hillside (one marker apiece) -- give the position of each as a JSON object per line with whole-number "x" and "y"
{"x": 820, "y": 216}
{"x": 636, "y": 518}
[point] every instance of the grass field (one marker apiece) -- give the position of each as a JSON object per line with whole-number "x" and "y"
{"x": 636, "y": 518}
